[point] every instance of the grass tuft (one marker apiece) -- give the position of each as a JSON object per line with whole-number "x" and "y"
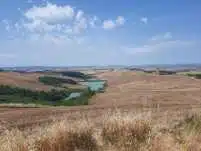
{"x": 13, "y": 141}
{"x": 62, "y": 137}
{"x": 118, "y": 132}
{"x": 126, "y": 131}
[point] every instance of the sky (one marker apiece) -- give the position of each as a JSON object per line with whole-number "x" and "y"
{"x": 104, "y": 32}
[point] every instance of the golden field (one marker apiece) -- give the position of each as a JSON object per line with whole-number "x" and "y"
{"x": 136, "y": 112}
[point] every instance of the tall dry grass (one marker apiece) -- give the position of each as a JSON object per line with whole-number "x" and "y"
{"x": 13, "y": 141}
{"x": 125, "y": 131}
{"x": 63, "y": 136}
{"x": 115, "y": 132}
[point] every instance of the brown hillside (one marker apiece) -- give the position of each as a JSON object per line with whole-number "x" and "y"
{"x": 23, "y": 80}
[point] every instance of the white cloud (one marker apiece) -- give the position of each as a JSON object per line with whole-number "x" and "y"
{"x": 94, "y": 21}
{"x": 79, "y": 15}
{"x": 50, "y": 13}
{"x": 58, "y": 18}
{"x": 156, "y": 47}
{"x": 160, "y": 37}
{"x": 120, "y": 20}
{"x": 7, "y": 25}
{"x": 80, "y": 25}
{"x": 111, "y": 24}
{"x": 144, "y": 20}
{"x": 39, "y": 26}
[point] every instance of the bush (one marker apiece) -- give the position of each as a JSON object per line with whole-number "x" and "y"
{"x": 76, "y": 74}
{"x": 55, "y": 81}
{"x": 54, "y": 97}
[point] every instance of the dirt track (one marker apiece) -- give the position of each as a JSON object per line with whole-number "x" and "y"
{"x": 126, "y": 90}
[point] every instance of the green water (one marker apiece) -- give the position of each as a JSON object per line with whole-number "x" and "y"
{"x": 94, "y": 85}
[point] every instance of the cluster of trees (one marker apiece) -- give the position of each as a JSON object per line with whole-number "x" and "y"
{"x": 76, "y": 74}
{"x": 53, "y": 97}
{"x": 55, "y": 81}
{"x": 160, "y": 72}
{"x": 165, "y": 72}
{"x": 1, "y": 70}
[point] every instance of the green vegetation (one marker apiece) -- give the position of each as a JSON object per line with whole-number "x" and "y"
{"x": 160, "y": 72}
{"x": 59, "y": 96}
{"x": 76, "y": 74}
{"x": 54, "y": 97}
{"x": 55, "y": 81}
{"x": 195, "y": 75}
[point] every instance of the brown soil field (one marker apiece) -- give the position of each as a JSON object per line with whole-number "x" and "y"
{"x": 127, "y": 91}
{"x": 23, "y": 80}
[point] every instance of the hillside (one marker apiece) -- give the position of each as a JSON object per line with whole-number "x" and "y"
{"x": 23, "y": 80}
{"x": 166, "y": 102}
{"x": 126, "y": 90}
{"x": 43, "y": 88}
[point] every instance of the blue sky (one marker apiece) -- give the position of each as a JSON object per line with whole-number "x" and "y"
{"x": 106, "y": 32}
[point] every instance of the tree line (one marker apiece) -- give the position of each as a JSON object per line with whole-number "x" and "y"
{"x": 53, "y": 97}
{"x": 55, "y": 81}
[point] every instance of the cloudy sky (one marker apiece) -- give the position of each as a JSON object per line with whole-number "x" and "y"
{"x": 102, "y": 32}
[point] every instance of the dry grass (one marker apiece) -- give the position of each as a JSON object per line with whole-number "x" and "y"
{"x": 115, "y": 132}
{"x": 126, "y": 131}
{"x": 13, "y": 141}
{"x": 23, "y": 80}
{"x": 63, "y": 136}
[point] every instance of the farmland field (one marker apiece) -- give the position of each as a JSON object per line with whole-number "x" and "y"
{"x": 127, "y": 91}
{"x": 24, "y": 80}
{"x": 142, "y": 112}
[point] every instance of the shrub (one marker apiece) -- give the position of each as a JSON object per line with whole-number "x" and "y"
{"x": 53, "y": 95}
{"x": 76, "y": 74}
{"x": 55, "y": 81}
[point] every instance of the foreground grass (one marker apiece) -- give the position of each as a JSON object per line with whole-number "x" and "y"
{"x": 116, "y": 132}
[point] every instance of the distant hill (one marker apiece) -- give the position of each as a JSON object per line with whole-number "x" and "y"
{"x": 77, "y": 68}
